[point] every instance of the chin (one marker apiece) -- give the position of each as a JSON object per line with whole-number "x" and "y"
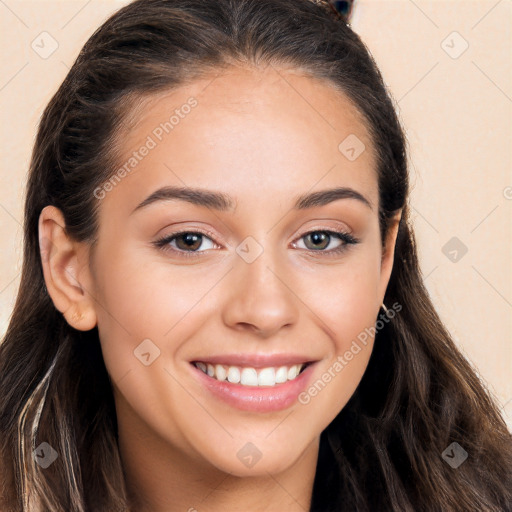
{"x": 254, "y": 458}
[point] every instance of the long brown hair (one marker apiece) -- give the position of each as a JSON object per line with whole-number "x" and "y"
{"x": 418, "y": 395}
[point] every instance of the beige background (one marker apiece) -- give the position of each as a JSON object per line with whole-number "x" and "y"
{"x": 456, "y": 106}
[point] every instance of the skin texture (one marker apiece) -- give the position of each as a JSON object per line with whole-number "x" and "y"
{"x": 264, "y": 137}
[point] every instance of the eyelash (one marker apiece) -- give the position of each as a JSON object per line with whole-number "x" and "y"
{"x": 347, "y": 238}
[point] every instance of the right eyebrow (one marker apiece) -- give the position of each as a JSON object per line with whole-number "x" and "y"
{"x": 197, "y": 196}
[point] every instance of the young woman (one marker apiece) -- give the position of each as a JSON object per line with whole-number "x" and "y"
{"x": 221, "y": 306}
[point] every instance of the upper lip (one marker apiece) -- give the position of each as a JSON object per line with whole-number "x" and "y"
{"x": 255, "y": 360}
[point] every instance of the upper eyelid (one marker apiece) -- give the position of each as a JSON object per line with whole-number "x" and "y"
{"x": 174, "y": 235}
{"x": 340, "y": 227}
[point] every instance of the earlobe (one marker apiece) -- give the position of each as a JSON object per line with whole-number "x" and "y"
{"x": 63, "y": 267}
{"x": 82, "y": 319}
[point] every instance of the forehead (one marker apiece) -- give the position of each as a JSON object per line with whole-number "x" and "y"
{"x": 244, "y": 129}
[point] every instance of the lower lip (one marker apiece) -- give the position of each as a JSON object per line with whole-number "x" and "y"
{"x": 255, "y": 398}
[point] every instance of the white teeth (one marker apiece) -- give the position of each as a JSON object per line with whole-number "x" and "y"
{"x": 234, "y": 375}
{"x": 293, "y": 371}
{"x": 267, "y": 377}
{"x": 281, "y": 375}
{"x": 220, "y": 371}
{"x": 250, "y": 376}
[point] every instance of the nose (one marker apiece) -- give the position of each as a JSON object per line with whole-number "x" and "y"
{"x": 260, "y": 297}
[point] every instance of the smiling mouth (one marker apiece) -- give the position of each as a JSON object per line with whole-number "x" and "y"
{"x": 248, "y": 376}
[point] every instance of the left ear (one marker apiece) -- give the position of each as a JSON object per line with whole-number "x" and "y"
{"x": 388, "y": 253}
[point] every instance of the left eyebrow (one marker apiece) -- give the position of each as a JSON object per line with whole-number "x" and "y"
{"x": 223, "y": 202}
{"x": 324, "y": 197}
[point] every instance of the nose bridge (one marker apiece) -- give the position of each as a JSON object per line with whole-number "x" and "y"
{"x": 259, "y": 293}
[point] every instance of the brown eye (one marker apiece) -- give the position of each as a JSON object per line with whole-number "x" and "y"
{"x": 191, "y": 241}
{"x": 319, "y": 240}
{"x": 185, "y": 243}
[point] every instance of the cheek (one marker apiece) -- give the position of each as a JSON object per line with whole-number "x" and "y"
{"x": 351, "y": 318}
{"x": 142, "y": 299}
{"x": 344, "y": 296}
{"x": 345, "y": 301}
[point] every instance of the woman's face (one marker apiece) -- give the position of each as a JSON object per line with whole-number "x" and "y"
{"x": 252, "y": 168}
